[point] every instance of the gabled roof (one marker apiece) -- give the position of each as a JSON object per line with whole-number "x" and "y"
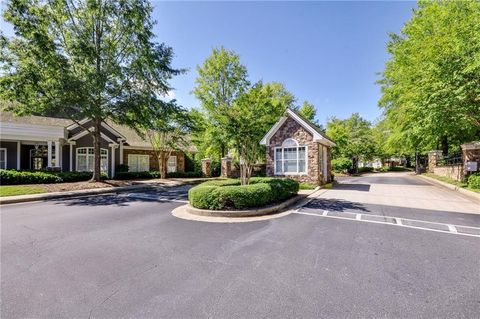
{"x": 318, "y": 135}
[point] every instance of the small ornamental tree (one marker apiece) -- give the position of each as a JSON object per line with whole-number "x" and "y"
{"x": 79, "y": 59}
{"x": 168, "y": 133}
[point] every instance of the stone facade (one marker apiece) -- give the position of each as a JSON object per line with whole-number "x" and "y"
{"x": 433, "y": 159}
{"x": 207, "y": 167}
{"x": 153, "y": 160}
{"x": 292, "y": 129}
{"x": 452, "y": 171}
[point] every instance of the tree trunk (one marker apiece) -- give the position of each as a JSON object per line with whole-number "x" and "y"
{"x": 162, "y": 165}
{"x": 96, "y": 151}
{"x": 355, "y": 164}
{"x": 444, "y": 143}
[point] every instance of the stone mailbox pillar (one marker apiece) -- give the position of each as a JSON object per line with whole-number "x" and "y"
{"x": 433, "y": 159}
{"x": 207, "y": 167}
{"x": 471, "y": 157}
{"x": 226, "y": 168}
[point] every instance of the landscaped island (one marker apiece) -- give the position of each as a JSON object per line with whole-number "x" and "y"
{"x": 228, "y": 194}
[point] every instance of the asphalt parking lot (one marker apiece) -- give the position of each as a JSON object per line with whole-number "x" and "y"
{"x": 124, "y": 256}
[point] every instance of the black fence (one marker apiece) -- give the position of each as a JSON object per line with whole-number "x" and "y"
{"x": 451, "y": 160}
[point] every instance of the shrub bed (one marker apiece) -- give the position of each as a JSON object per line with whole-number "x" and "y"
{"x": 13, "y": 177}
{"x": 184, "y": 174}
{"x": 229, "y": 194}
{"x": 137, "y": 175}
{"x": 474, "y": 181}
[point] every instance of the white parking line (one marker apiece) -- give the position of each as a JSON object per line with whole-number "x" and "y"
{"x": 451, "y": 228}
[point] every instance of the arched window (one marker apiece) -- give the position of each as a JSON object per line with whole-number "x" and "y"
{"x": 85, "y": 159}
{"x": 290, "y": 158}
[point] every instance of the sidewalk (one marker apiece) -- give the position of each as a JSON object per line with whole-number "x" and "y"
{"x": 465, "y": 192}
{"x": 139, "y": 185}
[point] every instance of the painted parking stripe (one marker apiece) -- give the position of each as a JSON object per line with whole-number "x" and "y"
{"x": 156, "y": 198}
{"x": 451, "y": 228}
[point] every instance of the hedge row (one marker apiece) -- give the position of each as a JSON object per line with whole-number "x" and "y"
{"x": 155, "y": 174}
{"x": 229, "y": 194}
{"x": 13, "y": 177}
{"x": 474, "y": 181}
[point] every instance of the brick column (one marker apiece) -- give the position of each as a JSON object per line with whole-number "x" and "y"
{"x": 470, "y": 155}
{"x": 226, "y": 167}
{"x": 433, "y": 158}
{"x": 207, "y": 167}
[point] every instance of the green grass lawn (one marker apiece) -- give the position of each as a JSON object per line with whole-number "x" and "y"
{"x": 14, "y": 190}
{"x": 451, "y": 181}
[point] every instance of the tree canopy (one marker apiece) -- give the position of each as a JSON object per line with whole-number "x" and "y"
{"x": 80, "y": 59}
{"x": 353, "y": 138}
{"x": 431, "y": 83}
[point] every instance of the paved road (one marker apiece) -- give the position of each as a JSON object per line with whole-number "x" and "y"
{"x": 126, "y": 256}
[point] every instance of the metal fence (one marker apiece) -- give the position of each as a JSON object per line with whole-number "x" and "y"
{"x": 451, "y": 160}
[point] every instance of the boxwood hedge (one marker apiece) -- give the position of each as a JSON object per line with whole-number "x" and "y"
{"x": 13, "y": 177}
{"x": 229, "y": 194}
{"x": 474, "y": 181}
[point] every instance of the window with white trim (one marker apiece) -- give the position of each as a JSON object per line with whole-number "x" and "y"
{"x": 138, "y": 163}
{"x": 290, "y": 158}
{"x": 85, "y": 159}
{"x": 172, "y": 164}
{"x": 3, "y": 158}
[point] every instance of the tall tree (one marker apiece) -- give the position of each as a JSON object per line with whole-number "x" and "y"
{"x": 167, "y": 134}
{"x": 431, "y": 84}
{"x": 353, "y": 138}
{"x": 251, "y": 116}
{"x": 308, "y": 110}
{"x": 95, "y": 59}
{"x": 221, "y": 79}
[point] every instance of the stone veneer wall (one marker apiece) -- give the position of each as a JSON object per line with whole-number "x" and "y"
{"x": 291, "y": 129}
{"x": 454, "y": 172}
{"x": 153, "y": 160}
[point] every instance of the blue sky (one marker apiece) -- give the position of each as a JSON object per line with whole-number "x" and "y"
{"x": 328, "y": 53}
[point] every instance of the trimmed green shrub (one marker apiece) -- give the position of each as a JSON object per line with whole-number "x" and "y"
{"x": 342, "y": 164}
{"x": 121, "y": 168}
{"x": 70, "y": 177}
{"x": 12, "y": 177}
{"x": 200, "y": 197}
{"x": 365, "y": 169}
{"x": 137, "y": 175}
{"x": 474, "y": 181}
{"x": 184, "y": 174}
{"x": 307, "y": 186}
{"x": 239, "y": 197}
{"x": 229, "y": 194}
{"x": 222, "y": 182}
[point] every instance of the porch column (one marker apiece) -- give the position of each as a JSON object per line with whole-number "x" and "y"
{"x": 112, "y": 168}
{"x": 58, "y": 161}
{"x": 121, "y": 151}
{"x": 71, "y": 155}
{"x": 19, "y": 147}
{"x": 49, "y": 156}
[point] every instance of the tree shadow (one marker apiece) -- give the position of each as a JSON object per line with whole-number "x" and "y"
{"x": 335, "y": 205}
{"x": 352, "y": 187}
{"x": 101, "y": 200}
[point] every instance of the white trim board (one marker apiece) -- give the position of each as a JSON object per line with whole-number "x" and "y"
{"x": 104, "y": 125}
{"x": 317, "y": 137}
{"x": 83, "y": 133}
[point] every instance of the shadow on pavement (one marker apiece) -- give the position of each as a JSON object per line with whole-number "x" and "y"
{"x": 335, "y": 205}
{"x": 101, "y": 200}
{"x": 352, "y": 187}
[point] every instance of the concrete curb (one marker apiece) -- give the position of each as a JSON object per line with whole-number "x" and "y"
{"x": 244, "y": 213}
{"x": 470, "y": 194}
{"x": 85, "y": 192}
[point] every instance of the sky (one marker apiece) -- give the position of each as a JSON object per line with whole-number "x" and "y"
{"x": 328, "y": 53}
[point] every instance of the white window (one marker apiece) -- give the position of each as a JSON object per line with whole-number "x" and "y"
{"x": 291, "y": 158}
{"x": 138, "y": 163}
{"x": 172, "y": 164}
{"x": 3, "y": 158}
{"x": 86, "y": 159}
